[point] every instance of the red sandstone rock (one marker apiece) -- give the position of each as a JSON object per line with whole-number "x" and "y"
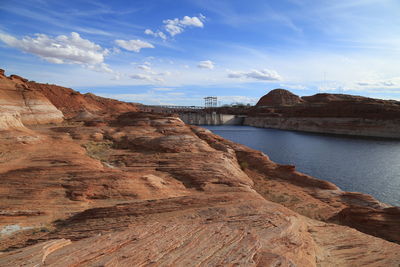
{"x": 154, "y": 191}
{"x": 279, "y": 97}
{"x": 24, "y": 105}
{"x": 73, "y": 103}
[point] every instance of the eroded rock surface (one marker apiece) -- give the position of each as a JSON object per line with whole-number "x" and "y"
{"x": 154, "y": 191}
{"x": 142, "y": 189}
{"x": 19, "y": 103}
{"x": 326, "y": 113}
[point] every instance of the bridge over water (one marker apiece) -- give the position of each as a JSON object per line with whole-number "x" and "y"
{"x": 197, "y": 115}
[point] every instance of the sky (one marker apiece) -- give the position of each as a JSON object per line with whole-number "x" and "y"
{"x": 177, "y": 52}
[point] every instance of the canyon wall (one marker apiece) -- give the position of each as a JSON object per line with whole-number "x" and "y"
{"x": 326, "y": 113}
{"x": 345, "y": 126}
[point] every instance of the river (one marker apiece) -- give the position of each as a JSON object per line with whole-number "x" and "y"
{"x": 354, "y": 164}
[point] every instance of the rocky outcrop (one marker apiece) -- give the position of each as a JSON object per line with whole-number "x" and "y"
{"x": 279, "y": 97}
{"x": 10, "y": 120}
{"x": 73, "y": 103}
{"x": 19, "y": 103}
{"x": 379, "y": 222}
{"x": 327, "y": 113}
{"x": 144, "y": 189}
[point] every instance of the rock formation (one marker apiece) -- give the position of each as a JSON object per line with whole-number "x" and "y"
{"x": 326, "y": 113}
{"x": 279, "y": 97}
{"x": 135, "y": 189}
{"x": 22, "y": 104}
{"x": 71, "y": 102}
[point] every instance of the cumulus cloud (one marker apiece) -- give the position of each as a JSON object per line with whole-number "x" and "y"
{"x": 159, "y": 34}
{"x": 133, "y": 45}
{"x": 262, "y": 75}
{"x": 72, "y": 49}
{"x": 206, "y": 64}
{"x": 177, "y": 26}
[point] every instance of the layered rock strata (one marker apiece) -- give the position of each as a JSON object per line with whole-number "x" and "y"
{"x": 146, "y": 189}
{"x": 19, "y": 103}
{"x": 326, "y": 113}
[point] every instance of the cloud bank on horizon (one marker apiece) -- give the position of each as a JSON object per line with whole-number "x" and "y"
{"x": 191, "y": 49}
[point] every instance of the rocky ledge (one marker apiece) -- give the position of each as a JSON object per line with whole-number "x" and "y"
{"x": 143, "y": 189}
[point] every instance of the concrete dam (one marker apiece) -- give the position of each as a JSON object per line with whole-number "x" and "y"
{"x": 197, "y": 115}
{"x": 212, "y": 118}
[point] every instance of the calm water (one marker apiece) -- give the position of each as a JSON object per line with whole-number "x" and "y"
{"x": 370, "y": 166}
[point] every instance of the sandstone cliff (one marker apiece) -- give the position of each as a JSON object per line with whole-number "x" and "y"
{"x": 143, "y": 189}
{"x": 327, "y": 113}
{"x": 71, "y": 102}
{"x": 19, "y": 103}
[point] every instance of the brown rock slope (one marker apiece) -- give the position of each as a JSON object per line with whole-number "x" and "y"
{"x": 279, "y": 97}
{"x": 326, "y": 113}
{"x": 147, "y": 190}
{"x": 39, "y": 103}
{"x": 19, "y": 104}
{"x": 325, "y": 105}
{"x": 72, "y": 103}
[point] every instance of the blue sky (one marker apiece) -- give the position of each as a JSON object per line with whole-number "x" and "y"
{"x": 177, "y": 52}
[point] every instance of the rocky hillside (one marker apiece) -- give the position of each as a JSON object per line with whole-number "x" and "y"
{"x": 20, "y": 104}
{"x": 279, "y": 97}
{"x": 37, "y": 103}
{"x": 143, "y": 189}
{"x": 280, "y": 102}
{"x": 326, "y": 113}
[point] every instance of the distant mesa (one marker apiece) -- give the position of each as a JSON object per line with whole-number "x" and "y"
{"x": 279, "y": 97}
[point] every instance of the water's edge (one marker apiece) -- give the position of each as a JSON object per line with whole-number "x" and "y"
{"x": 366, "y": 165}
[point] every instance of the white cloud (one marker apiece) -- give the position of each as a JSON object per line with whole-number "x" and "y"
{"x": 150, "y": 77}
{"x": 192, "y": 21}
{"x": 138, "y": 76}
{"x": 235, "y": 74}
{"x": 144, "y": 67}
{"x": 103, "y": 67}
{"x": 133, "y": 45}
{"x": 263, "y": 75}
{"x": 176, "y": 26}
{"x": 61, "y": 49}
{"x": 159, "y": 34}
{"x": 206, "y": 64}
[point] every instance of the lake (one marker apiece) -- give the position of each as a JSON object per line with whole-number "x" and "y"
{"x": 354, "y": 164}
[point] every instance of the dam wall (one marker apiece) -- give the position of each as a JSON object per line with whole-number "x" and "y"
{"x": 203, "y": 118}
